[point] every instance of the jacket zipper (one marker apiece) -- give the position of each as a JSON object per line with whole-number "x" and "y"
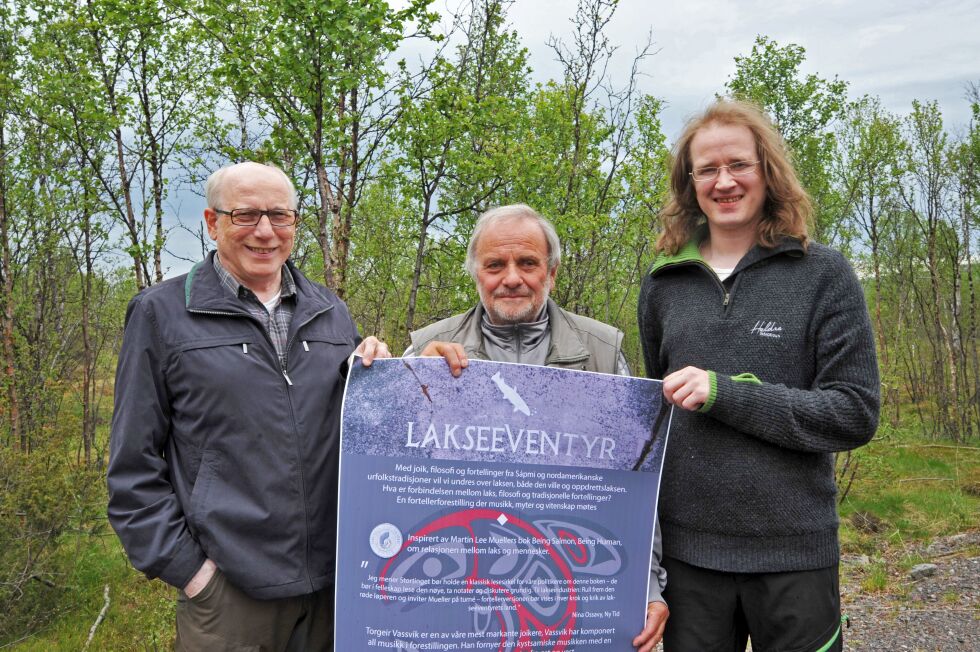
{"x": 724, "y": 291}
{"x": 520, "y": 348}
{"x": 302, "y": 471}
{"x": 292, "y": 412}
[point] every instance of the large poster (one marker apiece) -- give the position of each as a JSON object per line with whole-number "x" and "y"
{"x": 509, "y": 509}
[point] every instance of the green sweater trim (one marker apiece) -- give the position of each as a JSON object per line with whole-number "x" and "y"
{"x": 712, "y": 392}
{"x": 747, "y": 378}
{"x": 689, "y": 253}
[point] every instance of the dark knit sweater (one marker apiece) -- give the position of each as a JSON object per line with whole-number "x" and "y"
{"x": 748, "y": 482}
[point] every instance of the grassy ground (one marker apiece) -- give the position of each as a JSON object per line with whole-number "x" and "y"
{"x": 909, "y": 491}
{"x": 906, "y": 490}
{"x": 140, "y": 614}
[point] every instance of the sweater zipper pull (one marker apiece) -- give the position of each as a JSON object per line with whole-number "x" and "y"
{"x": 306, "y": 347}
{"x": 725, "y": 302}
{"x": 286, "y": 376}
{"x": 244, "y": 347}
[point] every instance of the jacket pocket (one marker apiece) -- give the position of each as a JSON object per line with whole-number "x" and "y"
{"x": 215, "y": 386}
{"x": 327, "y": 353}
{"x": 247, "y": 510}
{"x": 208, "y": 342}
{"x": 206, "y": 474}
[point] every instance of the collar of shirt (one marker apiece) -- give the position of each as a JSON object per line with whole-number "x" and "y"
{"x": 287, "y": 286}
{"x": 275, "y": 322}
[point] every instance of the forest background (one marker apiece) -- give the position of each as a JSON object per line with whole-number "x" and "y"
{"x": 111, "y": 108}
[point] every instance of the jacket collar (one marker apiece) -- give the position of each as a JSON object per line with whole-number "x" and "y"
{"x": 690, "y": 254}
{"x": 471, "y": 334}
{"x": 525, "y": 336}
{"x": 204, "y": 292}
{"x": 566, "y": 345}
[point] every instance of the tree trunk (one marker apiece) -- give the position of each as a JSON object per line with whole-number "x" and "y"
{"x": 88, "y": 366}
{"x": 156, "y": 168}
{"x": 417, "y": 271}
{"x": 323, "y": 219}
{"x": 9, "y": 353}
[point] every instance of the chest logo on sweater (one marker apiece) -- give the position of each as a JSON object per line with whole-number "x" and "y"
{"x": 767, "y": 329}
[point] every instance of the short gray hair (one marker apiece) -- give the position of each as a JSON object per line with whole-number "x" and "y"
{"x": 513, "y": 212}
{"x": 215, "y": 182}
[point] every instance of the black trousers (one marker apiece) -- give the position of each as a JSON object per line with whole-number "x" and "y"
{"x": 714, "y": 611}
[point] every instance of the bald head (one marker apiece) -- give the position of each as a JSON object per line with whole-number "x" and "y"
{"x": 216, "y": 183}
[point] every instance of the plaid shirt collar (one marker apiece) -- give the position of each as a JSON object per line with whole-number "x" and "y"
{"x": 277, "y": 321}
{"x": 287, "y": 287}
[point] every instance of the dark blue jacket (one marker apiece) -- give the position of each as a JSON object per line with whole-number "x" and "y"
{"x": 215, "y": 452}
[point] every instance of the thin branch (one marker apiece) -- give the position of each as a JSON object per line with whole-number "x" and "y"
{"x": 98, "y": 621}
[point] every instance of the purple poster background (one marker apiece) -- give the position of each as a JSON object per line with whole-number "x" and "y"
{"x": 495, "y": 511}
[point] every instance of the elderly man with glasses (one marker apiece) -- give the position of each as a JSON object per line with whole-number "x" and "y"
{"x": 223, "y": 457}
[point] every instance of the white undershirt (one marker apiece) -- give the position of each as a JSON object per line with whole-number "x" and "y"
{"x": 271, "y": 304}
{"x": 723, "y": 272}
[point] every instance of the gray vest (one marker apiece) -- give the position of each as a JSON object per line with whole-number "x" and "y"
{"x": 576, "y": 342}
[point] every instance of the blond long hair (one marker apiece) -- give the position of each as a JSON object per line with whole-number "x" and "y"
{"x": 787, "y": 210}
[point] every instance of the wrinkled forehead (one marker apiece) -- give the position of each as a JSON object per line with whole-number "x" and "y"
{"x": 512, "y": 235}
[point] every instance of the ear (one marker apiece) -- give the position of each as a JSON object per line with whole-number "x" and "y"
{"x": 552, "y": 274}
{"x": 211, "y": 219}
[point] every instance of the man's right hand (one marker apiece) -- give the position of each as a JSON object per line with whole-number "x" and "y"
{"x": 201, "y": 578}
{"x": 452, "y": 352}
{"x": 687, "y": 388}
{"x": 653, "y": 632}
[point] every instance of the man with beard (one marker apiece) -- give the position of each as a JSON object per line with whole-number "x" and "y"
{"x": 513, "y": 256}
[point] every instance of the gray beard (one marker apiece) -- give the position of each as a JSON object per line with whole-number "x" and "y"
{"x": 521, "y": 317}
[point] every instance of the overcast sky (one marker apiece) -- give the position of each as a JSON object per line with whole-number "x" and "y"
{"x": 899, "y": 50}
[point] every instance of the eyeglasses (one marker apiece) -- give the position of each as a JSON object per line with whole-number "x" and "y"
{"x": 736, "y": 169}
{"x": 278, "y": 217}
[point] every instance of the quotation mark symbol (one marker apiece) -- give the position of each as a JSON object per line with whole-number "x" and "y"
{"x": 364, "y": 564}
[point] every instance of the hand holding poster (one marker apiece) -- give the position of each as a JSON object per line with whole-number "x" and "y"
{"x": 511, "y": 508}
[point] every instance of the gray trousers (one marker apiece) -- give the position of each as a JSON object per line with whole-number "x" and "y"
{"x": 221, "y": 618}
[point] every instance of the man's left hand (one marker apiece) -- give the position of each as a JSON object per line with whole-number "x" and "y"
{"x": 653, "y": 631}
{"x": 370, "y": 349}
